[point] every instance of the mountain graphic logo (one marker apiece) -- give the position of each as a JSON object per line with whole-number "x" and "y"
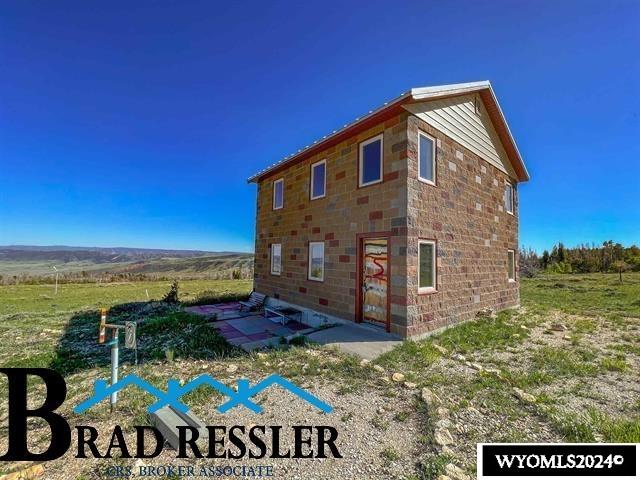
{"x": 241, "y": 397}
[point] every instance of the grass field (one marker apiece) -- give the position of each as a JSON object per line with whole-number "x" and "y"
{"x": 563, "y": 367}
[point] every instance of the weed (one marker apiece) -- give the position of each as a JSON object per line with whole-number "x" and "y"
{"x": 433, "y": 466}
{"x": 346, "y": 417}
{"x": 617, "y": 364}
{"x": 402, "y": 416}
{"x": 573, "y": 427}
{"x": 380, "y": 423}
{"x": 389, "y": 455}
{"x": 585, "y": 326}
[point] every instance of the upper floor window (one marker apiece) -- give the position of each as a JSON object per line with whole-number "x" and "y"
{"x": 318, "y": 179}
{"x": 426, "y": 266}
{"x": 508, "y": 198}
{"x": 426, "y": 158}
{"x": 276, "y": 258}
{"x": 511, "y": 265}
{"x": 316, "y": 261}
{"x": 278, "y": 194}
{"x": 370, "y": 166}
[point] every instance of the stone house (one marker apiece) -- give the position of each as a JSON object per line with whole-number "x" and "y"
{"x": 406, "y": 218}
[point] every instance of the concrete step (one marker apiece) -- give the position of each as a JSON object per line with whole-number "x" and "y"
{"x": 167, "y": 420}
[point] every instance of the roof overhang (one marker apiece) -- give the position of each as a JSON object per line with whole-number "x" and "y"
{"x": 393, "y": 107}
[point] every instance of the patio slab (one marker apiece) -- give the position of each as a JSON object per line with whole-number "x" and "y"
{"x": 251, "y": 331}
{"x": 251, "y": 325}
{"x": 363, "y": 341}
{"x": 232, "y": 333}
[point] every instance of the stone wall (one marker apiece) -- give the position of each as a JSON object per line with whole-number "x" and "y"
{"x": 336, "y": 219}
{"x": 465, "y": 214}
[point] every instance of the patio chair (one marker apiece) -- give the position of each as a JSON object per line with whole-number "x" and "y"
{"x": 255, "y": 302}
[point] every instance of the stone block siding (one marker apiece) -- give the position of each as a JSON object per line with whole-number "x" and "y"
{"x": 336, "y": 219}
{"x": 464, "y": 213}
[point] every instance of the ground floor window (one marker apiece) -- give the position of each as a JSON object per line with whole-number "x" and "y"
{"x": 511, "y": 265}
{"x": 316, "y": 261}
{"x": 276, "y": 258}
{"x": 426, "y": 266}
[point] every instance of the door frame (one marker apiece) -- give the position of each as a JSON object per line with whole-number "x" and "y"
{"x": 360, "y": 237}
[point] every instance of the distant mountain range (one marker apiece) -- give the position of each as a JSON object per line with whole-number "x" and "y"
{"x": 36, "y": 261}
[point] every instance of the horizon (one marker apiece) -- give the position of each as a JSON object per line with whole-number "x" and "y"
{"x": 521, "y": 247}
{"x": 139, "y": 125}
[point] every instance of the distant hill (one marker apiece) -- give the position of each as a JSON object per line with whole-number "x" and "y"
{"x": 33, "y": 262}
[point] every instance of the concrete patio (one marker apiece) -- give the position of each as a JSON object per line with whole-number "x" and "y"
{"x": 251, "y": 331}
{"x": 255, "y": 331}
{"x": 357, "y": 339}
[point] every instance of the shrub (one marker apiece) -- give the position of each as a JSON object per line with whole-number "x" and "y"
{"x": 172, "y": 295}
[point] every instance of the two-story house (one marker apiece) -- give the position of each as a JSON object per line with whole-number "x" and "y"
{"x": 406, "y": 218}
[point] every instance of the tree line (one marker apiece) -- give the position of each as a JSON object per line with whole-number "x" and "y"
{"x": 606, "y": 258}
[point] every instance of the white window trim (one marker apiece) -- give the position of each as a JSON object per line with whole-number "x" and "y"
{"x": 513, "y": 198}
{"x": 361, "y": 160}
{"x": 324, "y": 188}
{"x": 434, "y": 259}
{"x": 433, "y": 156}
{"x": 272, "y": 257}
{"x": 280, "y": 180}
{"x": 511, "y": 279}
{"x": 315, "y": 279}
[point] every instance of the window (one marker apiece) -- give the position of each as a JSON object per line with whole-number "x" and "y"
{"x": 508, "y": 198}
{"x": 278, "y": 194}
{"x": 316, "y": 261}
{"x": 511, "y": 265}
{"x": 426, "y": 158}
{"x": 426, "y": 266}
{"x": 276, "y": 258}
{"x": 370, "y": 166}
{"x": 318, "y": 179}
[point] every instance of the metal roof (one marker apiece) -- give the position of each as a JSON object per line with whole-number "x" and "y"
{"x": 416, "y": 95}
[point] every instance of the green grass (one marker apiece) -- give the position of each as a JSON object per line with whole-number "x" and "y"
{"x": 483, "y": 334}
{"x": 590, "y": 294}
{"x": 616, "y": 364}
{"x": 584, "y": 427}
{"x": 62, "y": 331}
{"x": 476, "y": 336}
{"x": 620, "y": 430}
{"x": 20, "y": 299}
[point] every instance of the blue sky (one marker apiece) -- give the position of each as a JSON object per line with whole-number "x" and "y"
{"x": 137, "y": 123}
